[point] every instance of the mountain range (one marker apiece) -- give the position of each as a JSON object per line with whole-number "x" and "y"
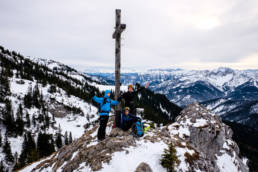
{"x": 232, "y": 94}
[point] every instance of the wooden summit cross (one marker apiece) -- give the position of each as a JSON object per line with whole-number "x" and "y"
{"x": 117, "y": 36}
{"x": 119, "y": 28}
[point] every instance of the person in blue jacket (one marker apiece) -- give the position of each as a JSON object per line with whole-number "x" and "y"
{"x": 127, "y": 120}
{"x": 105, "y": 107}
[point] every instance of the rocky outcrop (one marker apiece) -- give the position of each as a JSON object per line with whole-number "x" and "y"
{"x": 143, "y": 167}
{"x": 208, "y": 138}
{"x": 201, "y": 140}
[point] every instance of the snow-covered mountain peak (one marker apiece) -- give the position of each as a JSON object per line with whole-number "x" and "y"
{"x": 224, "y": 70}
{"x": 200, "y": 139}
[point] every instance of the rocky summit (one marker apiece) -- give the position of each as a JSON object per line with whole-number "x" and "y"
{"x": 202, "y": 142}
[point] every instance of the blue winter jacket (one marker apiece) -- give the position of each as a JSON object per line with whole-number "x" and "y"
{"x": 105, "y": 107}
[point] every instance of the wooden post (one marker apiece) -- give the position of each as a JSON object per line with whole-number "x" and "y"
{"x": 117, "y": 36}
{"x": 119, "y": 28}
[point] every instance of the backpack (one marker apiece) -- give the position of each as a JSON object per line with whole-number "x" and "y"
{"x": 104, "y": 102}
{"x": 138, "y": 129}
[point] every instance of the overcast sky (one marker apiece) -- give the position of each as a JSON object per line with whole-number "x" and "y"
{"x": 199, "y": 34}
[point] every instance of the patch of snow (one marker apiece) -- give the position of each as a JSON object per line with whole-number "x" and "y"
{"x": 163, "y": 110}
{"x": 180, "y": 152}
{"x": 200, "y": 122}
{"x": 226, "y": 163}
{"x": 254, "y": 109}
{"x": 245, "y": 161}
{"x": 121, "y": 161}
{"x": 16, "y": 144}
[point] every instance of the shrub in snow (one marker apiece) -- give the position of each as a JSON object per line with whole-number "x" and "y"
{"x": 169, "y": 158}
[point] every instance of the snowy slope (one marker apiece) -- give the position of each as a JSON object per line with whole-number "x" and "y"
{"x": 71, "y": 122}
{"x": 67, "y": 111}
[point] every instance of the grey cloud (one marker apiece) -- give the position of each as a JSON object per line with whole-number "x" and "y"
{"x": 156, "y": 35}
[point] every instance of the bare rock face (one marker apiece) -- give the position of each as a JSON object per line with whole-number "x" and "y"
{"x": 58, "y": 110}
{"x": 143, "y": 167}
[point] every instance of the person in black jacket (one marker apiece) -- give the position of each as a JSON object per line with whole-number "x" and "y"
{"x": 128, "y": 98}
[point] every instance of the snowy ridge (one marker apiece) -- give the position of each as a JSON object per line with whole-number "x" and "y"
{"x": 57, "y": 66}
{"x": 202, "y": 143}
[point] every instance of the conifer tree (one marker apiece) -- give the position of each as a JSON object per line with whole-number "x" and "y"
{"x": 20, "y": 110}
{"x": 29, "y": 152}
{"x": 32, "y": 151}
{"x": 59, "y": 143}
{"x": 34, "y": 120}
{"x": 169, "y": 158}
{"x": 47, "y": 119}
{"x": 28, "y": 98}
{"x": 41, "y": 100}
{"x": 19, "y": 121}
{"x": 22, "y": 159}
{"x": 4, "y": 86}
{"x": 70, "y": 138}
{"x": 35, "y": 96}
{"x": 1, "y": 166}
{"x": 27, "y": 120}
{"x": 8, "y": 118}
{"x": 66, "y": 138}
{"x": 45, "y": 144}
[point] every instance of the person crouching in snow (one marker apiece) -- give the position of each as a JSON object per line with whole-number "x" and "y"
{"x": 105, "y": 107}
{"x": 128, "y": 120}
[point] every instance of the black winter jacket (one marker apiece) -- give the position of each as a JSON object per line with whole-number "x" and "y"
{"x": 128, "y": 97}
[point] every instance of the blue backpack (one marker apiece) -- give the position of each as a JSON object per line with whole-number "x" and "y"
{"x": 102, "y": 104}
{"x": 138, "y": 130}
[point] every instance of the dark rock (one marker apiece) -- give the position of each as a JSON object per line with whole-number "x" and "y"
{"x": 143, "y": 167}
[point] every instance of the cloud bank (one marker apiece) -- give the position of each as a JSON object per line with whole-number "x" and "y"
{"x": 169, "y": 33}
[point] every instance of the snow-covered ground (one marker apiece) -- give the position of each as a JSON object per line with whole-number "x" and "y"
{"x": 148, "y": 152}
